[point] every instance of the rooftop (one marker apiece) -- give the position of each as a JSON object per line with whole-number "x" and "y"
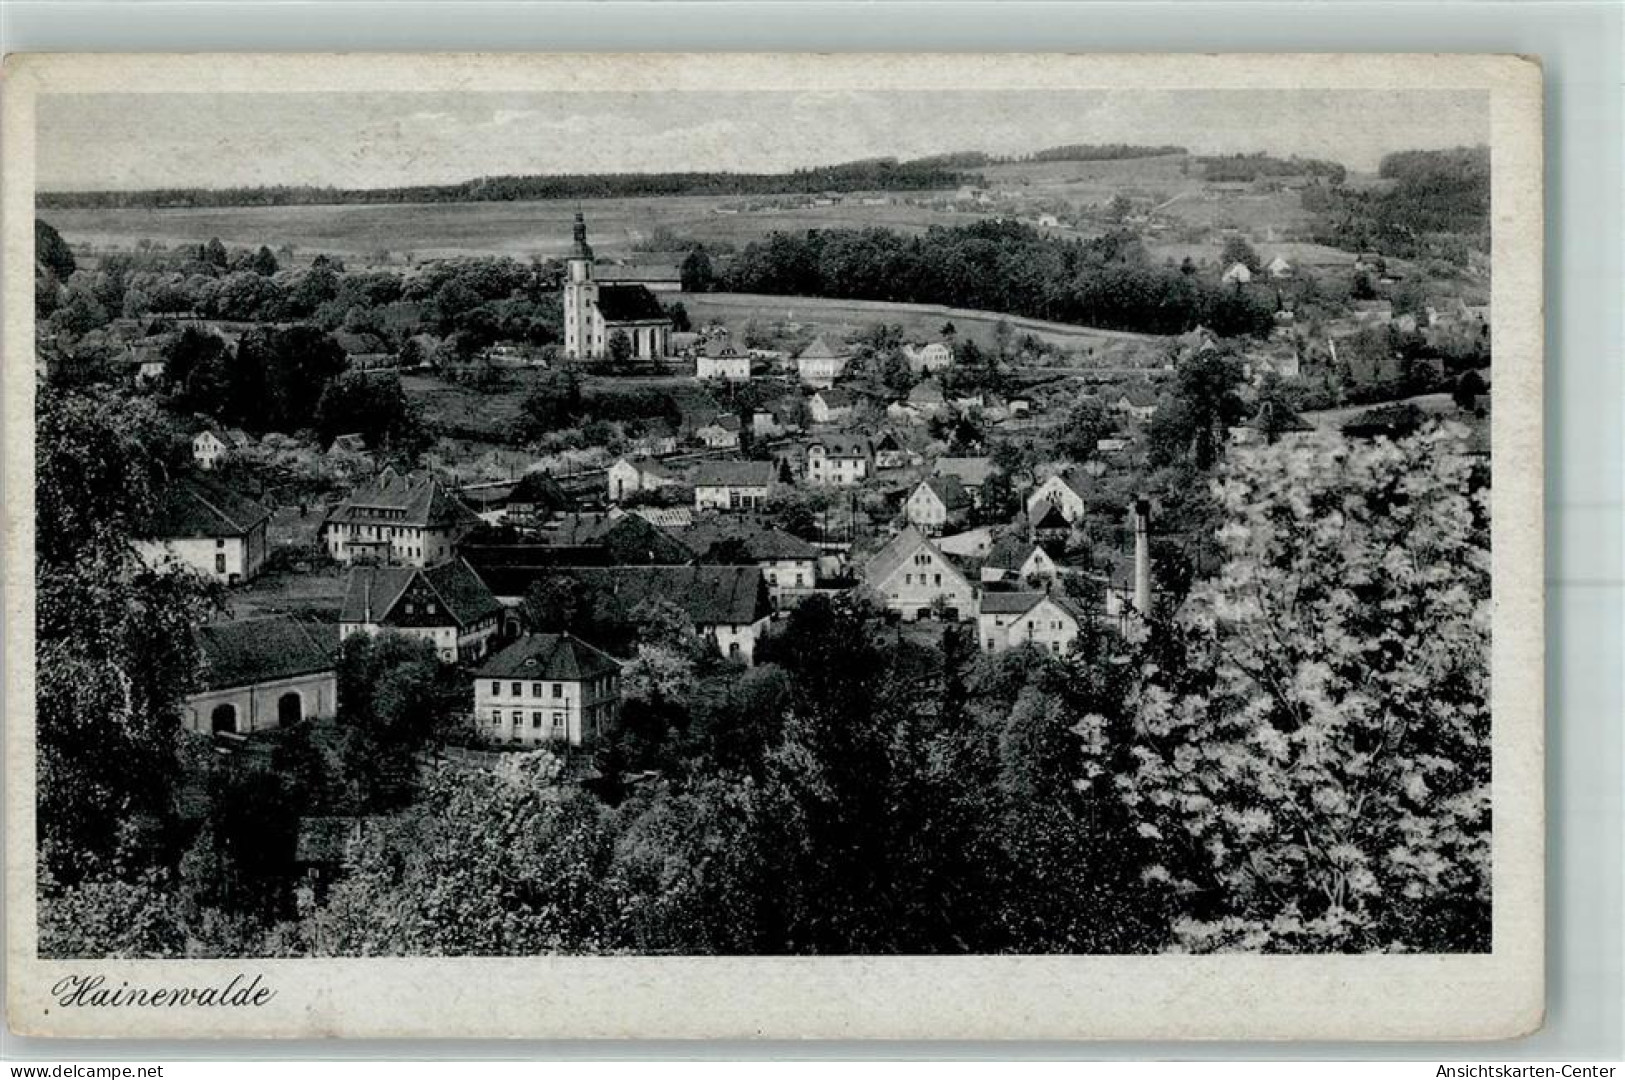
{"x": 193, "y": 507}
{"x": 557, "y": 657}
{"x": 245, "y": 652}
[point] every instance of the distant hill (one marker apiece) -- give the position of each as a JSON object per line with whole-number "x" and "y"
{"x": 880, "y": 174}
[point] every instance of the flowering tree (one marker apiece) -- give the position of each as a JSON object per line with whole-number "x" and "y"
{"x": 1311, "y": 743}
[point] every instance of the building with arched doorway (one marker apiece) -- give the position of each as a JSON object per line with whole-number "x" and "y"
{"x": 263, "y": 673}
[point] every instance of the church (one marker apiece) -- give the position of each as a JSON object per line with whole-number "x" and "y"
{"x": 595, "y": 310}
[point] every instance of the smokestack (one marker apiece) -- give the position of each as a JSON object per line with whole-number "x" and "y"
{"x": 1142, "y": 556}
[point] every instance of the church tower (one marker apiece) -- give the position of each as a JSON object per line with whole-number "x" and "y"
{"x": 581, "y": 336}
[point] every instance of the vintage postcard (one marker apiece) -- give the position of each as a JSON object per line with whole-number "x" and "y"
{"x": 773, "y": 546}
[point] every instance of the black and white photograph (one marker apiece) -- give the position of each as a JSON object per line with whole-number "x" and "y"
{"x": 772, "y": 519}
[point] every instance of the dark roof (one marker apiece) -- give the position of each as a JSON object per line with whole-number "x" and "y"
{"x": 1010, "y": 552}
{"x": 758, "y": 544}
{"x": 709, "y": 595}
{"x": 250, "y": 651}
{"x": 888, "y": 441}
{"x": 928, "y": 392}
{"x": 464, "y": 594}
{"x": 583, "y": 540}
{"x": 718, "y": 347}
{"x": 1009, "y": 603}
{"x": 949, "y": 491}
{"x": 734, "y": 474}
{"x": 629, "y": 303}
{"x": 972, "y": 471}
{"x": 1052, "y": 518}
{"x": 360, "y": 344}
{"x": 420, "y": 502}
{"x": 561, "y": 657}
{"x": 725, "y": 421}
{"x": 835, "y": 398}
{"x": 841, "y": 445}
{"x": 1139, "y": 396}
{"x": 194, "y": 507}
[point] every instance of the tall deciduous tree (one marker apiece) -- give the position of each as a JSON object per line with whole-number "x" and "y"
{"x": 1311, "y": 750}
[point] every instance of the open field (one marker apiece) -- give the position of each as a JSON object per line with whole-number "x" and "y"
{"x": 319, "y": 593}
{"x": 516, "y": 229}
{"x": 842, "y": 317}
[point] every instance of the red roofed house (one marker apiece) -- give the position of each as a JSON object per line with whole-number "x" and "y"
{"x": 208, "y": 527}
{"x": 547, "y": 688}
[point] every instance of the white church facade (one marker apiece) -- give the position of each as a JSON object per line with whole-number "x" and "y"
{"x": 594, "y": 311}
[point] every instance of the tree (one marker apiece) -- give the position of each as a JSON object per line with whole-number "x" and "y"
{"x": 1238, "y": 250}
{"x": 1078, "y": 433}
{"x": 1205, "y": 404}
{"x": 697, "y": 274}
{"x": 263, "y": 262}
{"x": 52, "y": 252}
{"x": 1311, "y": 746}
{"x": 114, "y": 648}
{"x": 396, "y": 699}
{"x": 679, "y": 318}
{"x": 375, "y": 408}
{"x": 214, "y": 253}
{"x": 618, "y": 353}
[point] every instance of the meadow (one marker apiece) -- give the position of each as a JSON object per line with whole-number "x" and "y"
{"x": 520, "y": 230}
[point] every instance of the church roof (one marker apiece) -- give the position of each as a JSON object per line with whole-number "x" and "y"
{"x": 629, "y": 303}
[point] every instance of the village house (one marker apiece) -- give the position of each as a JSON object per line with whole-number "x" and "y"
{"x": 1065, "y": 491}
{"x": 910, "y": 575}
{"x": 1137, "y": 403}
{"x": 972, "y": 472}
{"x": 832, "y": 406}
{"x": 1237, "y": 274}
{"x": 397, "y": 520}
{"x": 1279, "y": 268}
{"x": 1047, "y": 621}
{"x": 262, "y": 673}
{"x": 924, "y": 359}
{"x": 546, "y": 688}
{"x": 838, "y": 460}
{"x": 721, "y": 360}
{"x": 364, "y": 352}
{"x": 211, "y": 447}
{"x": 594, "y": 311}
{"x": 722, "y": 433}
{"x": 1015, "y": 558}
{"x": 631, "y": 475}
{"x": 446, "y": 605}
{"x": 1050, "y": 526}
{"x": 209, "y": 528}
{"x": 733, "y": 485}
{"x": 654, "y": 436}
{"x": 926, "y": 397}
{"x": 819, "y": 365}
{"x": 937, "y": 503}
{"x": 347, "y": 444}
{"x": 970, "y": 544}
{"x": 889, "y": 452}
{"x": 788, "y": 563}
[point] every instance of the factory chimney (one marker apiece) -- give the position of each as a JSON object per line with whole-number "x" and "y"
{"x": 1142, "y": 556}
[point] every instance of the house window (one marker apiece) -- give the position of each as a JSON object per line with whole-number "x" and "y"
{"x": 516, "y": 690}
{"x": 496, "y": 717}
{"x": 558, "y": 690}
{"x": 496, "y": 689}
{"x": 938, "y": 580}
{"x": 220, "y": 564}
{"x": 908, "y": 579}
{"x": 535, "y": 689}
{"x": 518, "y": 718}
{"x": 733, "y": 648}
{"x": 535, "y": 719}
{"x": 558, "y": 721}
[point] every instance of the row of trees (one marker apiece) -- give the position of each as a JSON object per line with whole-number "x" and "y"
{"x": 1002, "y": 266}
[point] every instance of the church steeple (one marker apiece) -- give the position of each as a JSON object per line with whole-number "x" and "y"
{"x": 582, "y": 249}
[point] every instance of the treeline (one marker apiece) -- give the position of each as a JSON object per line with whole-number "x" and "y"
{"x": 879, "y": 174}
{"x": 1438, "y": 206}
{"x": 1101, "y": 152}
{"x": 1248, "y": 167}
{"x": 1003, "y": 266}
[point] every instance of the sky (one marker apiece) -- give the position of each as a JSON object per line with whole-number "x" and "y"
{"x": 134, "y": 141}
